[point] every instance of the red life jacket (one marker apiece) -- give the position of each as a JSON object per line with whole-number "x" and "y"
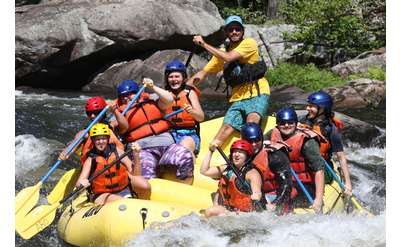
{"x": 88, "y": 145}
{"x": 145, "y": 119}
{"x": 295, "y": 143}
{"x": 183, "y": 119}
{"x": 231, "y": 196}
{"x": 114, "y": 179}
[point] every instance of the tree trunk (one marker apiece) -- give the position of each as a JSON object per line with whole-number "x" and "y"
{"x": 271, "y": 9}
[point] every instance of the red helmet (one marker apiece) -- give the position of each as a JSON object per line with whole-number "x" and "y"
{"x": 96, "y": 103}
{"x": 242, "y": 145}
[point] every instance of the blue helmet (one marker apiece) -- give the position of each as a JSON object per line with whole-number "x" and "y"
{"x": 286, "y": 114}
{"x": 321, "y": 99}
{"x": 127, "y": 86}
{"x": 175, "y": 65}
{"x": 251, "y": 132}
{"x": 233, "y": 18}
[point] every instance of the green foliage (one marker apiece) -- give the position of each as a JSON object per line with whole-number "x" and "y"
{"x": 248, "y": 16}
{"x": 307, "y": 77}
{"x": 373, "y": 72}
{"x": 330, "y": 23}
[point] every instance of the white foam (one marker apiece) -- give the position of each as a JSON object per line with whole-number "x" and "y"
{"x": 368, "y": 155}
{"x": 31, "y": 152}
{"x": 266, "y": 229}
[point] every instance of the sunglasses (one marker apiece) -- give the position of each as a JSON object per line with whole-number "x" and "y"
{"x": 237, "y": 29}
{"x": 254, "y": 140}
{"x": 89, "y": 113}
{"x": 288, "y": 122}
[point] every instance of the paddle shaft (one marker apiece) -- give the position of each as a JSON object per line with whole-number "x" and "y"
{"x": 234, "y": 169}
{"x": 353, "y": 197}
{"x": 133, "y": 100}
{"x": 309, "y": 198}
{"x": 75, "y": 143}
{"x": 80, "y": 188}
{"x": 266, "y": 48}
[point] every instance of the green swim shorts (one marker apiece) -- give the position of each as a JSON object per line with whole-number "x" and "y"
{"x": 237, "y": 113}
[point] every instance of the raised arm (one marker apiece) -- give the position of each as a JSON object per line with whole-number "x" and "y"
{"x": 195, "y": 109}
{"x": 165, "y": 97}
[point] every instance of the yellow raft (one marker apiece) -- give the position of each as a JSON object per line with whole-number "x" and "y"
{"x": 84, "y": 224}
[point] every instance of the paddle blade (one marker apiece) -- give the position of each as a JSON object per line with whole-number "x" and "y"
{"x": 38, "y": 219}
{"x": 64, "y": 186}
{"x": 360, "y": 208}
{"x": 26, "y": 199}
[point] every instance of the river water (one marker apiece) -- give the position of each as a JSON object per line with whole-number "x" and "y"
{"x": 46, "y": 120}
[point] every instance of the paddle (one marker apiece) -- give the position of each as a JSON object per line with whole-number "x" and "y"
{"x": 234, "y": 169}
{"x": 353, "y": 197}
{"x": 137, "y": 95}
{"x": 42, "y": 216}
{"x": 27, "y": 198}
{"x": 309, "y": 198}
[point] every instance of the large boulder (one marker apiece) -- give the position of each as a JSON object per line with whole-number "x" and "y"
{"x": 62, "y": 44}
{"x": 354, "y": 129}
{"x": 359, "y": 93}
{"x": 152, "y": 67}
{"x": 273, "y": 37}
{"x": 361, "y": 64}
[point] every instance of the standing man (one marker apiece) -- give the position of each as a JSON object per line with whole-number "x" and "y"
{"x": 243, "y": 71}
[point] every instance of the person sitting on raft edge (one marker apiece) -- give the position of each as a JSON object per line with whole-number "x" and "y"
{"x": 304, "y": 155}
{"x": 185, "y": 126}
{"x": 150, "y": 130}
{"x": 232, "y": 194}
{"x": 118, "y": 181}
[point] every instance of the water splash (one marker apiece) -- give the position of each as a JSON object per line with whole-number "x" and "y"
{"x": 31, "y": 153}
{"x": 266, "y": 229}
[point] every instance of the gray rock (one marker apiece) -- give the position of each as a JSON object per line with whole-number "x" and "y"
{"x": 61, "y": 44}
{"x": 153, "y": 67}
{"x": 358, "y": 94}
{"x": 360, "y": 65}
{"x": 354, "y": 129}
{"x": 273, "y": 36}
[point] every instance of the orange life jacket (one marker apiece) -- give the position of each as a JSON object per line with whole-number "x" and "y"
{"x": 231, "y": 196}
{"x": 324, "y": 147}
{"x": 183, "y": 119}
{"x": 145, "y": 119}
{"x": 295, "y": 143}
{"x": 88, "y": 145}
{"x": 114, "y": 179}
{"x": 260, "y": 162}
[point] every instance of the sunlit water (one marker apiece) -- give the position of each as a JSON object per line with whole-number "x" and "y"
{"x": 45, "y": 121}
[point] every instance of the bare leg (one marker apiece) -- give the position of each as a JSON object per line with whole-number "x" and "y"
{"x": 141, "y": 186}
{"x": 216, "y": 211}
{"x": 106, "y": 198}
{"x": 188, "y": 143}
{"x": 223, "y": 134}
{"x": 253, "y": 118}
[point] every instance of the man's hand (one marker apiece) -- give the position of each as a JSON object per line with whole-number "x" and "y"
{"x": 213, "y": 145}
{"x": 257, "y": 205}
{"x": 198, "y": 40}
{"x": 85, "y": 182}
{"x": 317, "y": 206}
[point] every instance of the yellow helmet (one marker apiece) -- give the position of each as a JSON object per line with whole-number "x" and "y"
{"x": 99, "y": 129}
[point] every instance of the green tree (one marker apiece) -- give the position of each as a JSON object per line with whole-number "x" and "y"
{"x": 333, "y": 24}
